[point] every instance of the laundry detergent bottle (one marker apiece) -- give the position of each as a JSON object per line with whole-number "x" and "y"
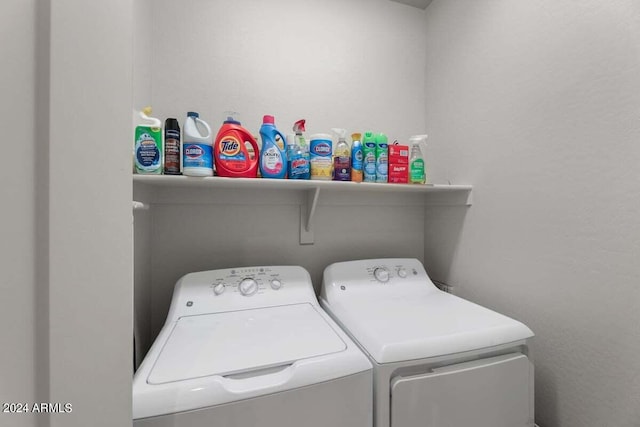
{"x": 273, "y": 159}
{"x": 232, "y": 151}
{"x": 197, "y": 159}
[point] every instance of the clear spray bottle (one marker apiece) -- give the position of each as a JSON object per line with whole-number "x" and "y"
{"x": 342, "y": 158}
{"x": 416, "y": 161}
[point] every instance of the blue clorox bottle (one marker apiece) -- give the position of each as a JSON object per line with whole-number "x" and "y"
{"x": 273, "y": 157}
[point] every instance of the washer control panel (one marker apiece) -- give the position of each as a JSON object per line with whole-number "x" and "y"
{"x": 241, "y": 288}
{"x": 250, "y": 281}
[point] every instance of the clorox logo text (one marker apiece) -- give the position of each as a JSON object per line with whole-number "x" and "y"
{"x": 322, "y": 149}
{"x": 193, "y": 151}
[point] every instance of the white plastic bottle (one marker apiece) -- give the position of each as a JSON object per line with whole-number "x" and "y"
{"x": 197, "y": 148}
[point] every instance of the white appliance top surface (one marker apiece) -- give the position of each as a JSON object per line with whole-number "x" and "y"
{"x": 407, "y": 318}
{"x": 241, "y": 341}
{"x": 241, "y": 333}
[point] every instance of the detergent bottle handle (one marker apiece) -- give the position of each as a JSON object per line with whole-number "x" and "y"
{"x": 284, "y": 143}
{"x": 248, "y": 137}
{"x": 206, "y": 126}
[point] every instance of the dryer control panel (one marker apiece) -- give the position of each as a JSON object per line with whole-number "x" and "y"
{"x": 240, "y": 288}
{"x": 375, "y": 277}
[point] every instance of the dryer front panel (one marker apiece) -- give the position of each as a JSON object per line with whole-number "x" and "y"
{"x": 491, "y": 392}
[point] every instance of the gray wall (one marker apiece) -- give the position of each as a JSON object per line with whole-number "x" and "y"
{"x": 18, "y": 195}
{"x": 66, "y": 254}
{"x": 357, "y": 64}
{"x": 537, "y": 105}
{"x": 90, "y": 217}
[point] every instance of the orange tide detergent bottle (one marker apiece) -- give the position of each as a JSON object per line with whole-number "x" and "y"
{"x": 231, "y": 154}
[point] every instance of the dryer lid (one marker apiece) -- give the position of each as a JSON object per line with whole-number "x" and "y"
{"x": 241, "y": 341}
{"x": 423, "y": 325}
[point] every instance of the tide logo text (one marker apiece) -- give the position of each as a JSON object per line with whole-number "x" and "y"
{"x": 229, "y": 147}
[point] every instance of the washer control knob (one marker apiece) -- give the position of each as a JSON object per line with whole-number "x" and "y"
{"x": 248, "y": 287}
{"x": 276, "y": 284}
{"x": 402, "y": 272}
{"x": 219, "y": 288}
{"x": 381, "y": 274}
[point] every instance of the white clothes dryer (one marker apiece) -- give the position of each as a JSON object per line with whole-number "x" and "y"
{"x": 438, "y": 360}
{"x": 251, "y": 347}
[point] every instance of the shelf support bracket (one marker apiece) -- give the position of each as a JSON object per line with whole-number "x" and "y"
{"x": 307, "y": 211}
{"x": 138, "y": 206}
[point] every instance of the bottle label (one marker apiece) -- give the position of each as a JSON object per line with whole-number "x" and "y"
{"x": 416, "y": 174}
{"x": 321, "y": 148}
{"x": 382, "y": 166}
{"x": 370, "y": 166}
{"x": 197, "y": 155}
{"x": 298, "y": 166}
{"x": 147, "y": 149}
{"x": 320, "y": 168}
{"x": 172, "y": 152}
{"x": 231, "y": 156}
{"x": 320, "y": 159}
{"x": 230, "y": 148}
{"x": 357, "y": 159}
{"x": 272, "y": 161}
{"x": 342, "y": 168}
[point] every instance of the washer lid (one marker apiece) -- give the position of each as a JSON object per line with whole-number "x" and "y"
{"x": 428, "y": 324}
{"x": 240, "y": 341}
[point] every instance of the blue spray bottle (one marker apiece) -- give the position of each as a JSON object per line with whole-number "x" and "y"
{"x": 273, "y": 159}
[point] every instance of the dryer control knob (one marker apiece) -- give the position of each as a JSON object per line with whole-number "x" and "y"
{"x": 219, "y": 288}
{"x": 381, "y": 274}
{"x": 248, "y": 287}
{"x": 276, "y": 284}
{"x": 402, "y": 272}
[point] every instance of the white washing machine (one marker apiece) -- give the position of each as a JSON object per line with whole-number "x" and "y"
{"x": 438, "y": 360}
{"x": 251, "y": 347}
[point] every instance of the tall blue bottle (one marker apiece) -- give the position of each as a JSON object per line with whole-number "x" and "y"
{"x": 273, "y": 159}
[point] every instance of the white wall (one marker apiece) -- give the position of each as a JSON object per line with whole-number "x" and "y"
{"x": 537, "y": 105}
{"x": 355, "y": 64}
{"x": 90, "y": 231}
{"x": 18, "y": 195}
